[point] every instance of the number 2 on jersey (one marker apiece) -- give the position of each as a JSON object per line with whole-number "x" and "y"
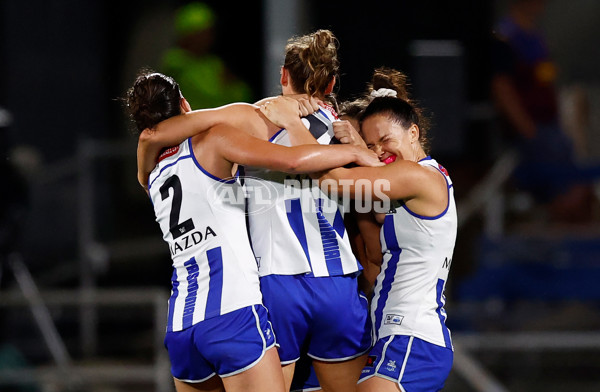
{"x": 177, "y": 229}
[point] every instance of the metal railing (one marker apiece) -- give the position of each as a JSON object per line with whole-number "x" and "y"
{"x": 70, "y": 375}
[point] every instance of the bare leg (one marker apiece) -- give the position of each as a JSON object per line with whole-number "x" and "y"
{"x": 288, "y": 374}
{"x": 378, "y": 384}
{"x": 213, "y": 384}
{"x": 262, "y": 377}
{"x": 339, "y": 376}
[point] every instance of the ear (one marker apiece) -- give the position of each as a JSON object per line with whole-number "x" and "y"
{"x": 184, "y": 105}
{"x": 413, "y": 132}
{"x": 329, "y": 88}
{"x": 285, "y": 77}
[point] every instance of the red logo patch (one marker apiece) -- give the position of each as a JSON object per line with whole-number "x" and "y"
{"x": 168, "y": 152}
{"x": 443, "y": 170}
{"x": 371, "y": 360}
{"x": 331, "y": 109}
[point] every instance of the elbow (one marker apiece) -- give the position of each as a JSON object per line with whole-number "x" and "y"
{"x": 145, "y": 137}
{"x": 143, "y": 180}
{"x": 377, "y": 260}
{"x": 294, "y": 165}
{"x": 374, "y": 257}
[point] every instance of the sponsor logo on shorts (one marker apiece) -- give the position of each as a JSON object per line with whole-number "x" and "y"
{"x": 268, "y": 333}
{"x": 391, "y": 366}
{"x": 393, "y": 319}
{"x": 371, "y": 359}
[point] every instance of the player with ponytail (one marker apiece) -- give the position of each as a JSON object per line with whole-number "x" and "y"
{"x": 218, "y": 334}
{"x": 307, "y": 267}
{"x": 412, "y": 349}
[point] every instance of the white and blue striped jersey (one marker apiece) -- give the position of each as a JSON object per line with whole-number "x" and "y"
{"x": 417, "y": 254}
{"x": 202, "y": 218}
{"x": 295, "y": 228}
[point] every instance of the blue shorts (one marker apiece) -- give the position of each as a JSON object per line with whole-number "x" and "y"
{"x": 414, "y": 364}
{"x": 225, "y": 345}
{"x": 324, "y": 317}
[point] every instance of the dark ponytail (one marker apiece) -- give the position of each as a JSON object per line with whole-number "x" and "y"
{"x": 154, "y": 97}
{"x": 399, "y": 109}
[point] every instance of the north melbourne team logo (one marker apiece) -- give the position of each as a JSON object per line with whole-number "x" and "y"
{"x": 391, "y": 366}
{"x": 393, "y": 319}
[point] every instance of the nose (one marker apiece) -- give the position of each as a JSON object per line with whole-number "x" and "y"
{"x": 378, "y": 150}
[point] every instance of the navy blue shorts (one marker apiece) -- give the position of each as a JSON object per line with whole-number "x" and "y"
{"x": 324, "y": 317}
{"x": 225, "y": 345}
{"x": 414, "y": 364}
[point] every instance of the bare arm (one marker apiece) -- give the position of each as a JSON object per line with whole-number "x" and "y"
{"x": 239, "y": 147}
{"x": 299, "y": 134}
{"x": 423, "y": 189}
{"x": 363, "y": 232}
{"x": 404, "y": 179}
{"x": 369, "y": 230}
{"x": 286, "y": 111}
{"x": 175, "y": 130}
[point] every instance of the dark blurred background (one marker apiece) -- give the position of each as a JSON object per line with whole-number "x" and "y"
{"x": 84, "y": 272}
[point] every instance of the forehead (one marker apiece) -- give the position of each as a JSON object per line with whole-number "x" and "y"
{"x": 377, "y": 126}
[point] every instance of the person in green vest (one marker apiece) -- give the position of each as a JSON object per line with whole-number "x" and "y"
{"x": 203, "y": 76}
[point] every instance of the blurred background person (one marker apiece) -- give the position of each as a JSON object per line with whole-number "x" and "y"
{"x": 525, "y": 95}
{"x": 202, "y": 74}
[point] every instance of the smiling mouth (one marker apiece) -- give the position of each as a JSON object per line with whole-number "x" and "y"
{"x": 390, "y": 159}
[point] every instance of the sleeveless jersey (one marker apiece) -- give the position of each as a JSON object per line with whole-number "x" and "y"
{"x": 294, "y": 227}
{"x": 417, "y": 253}
{"x": 203, "y": 221}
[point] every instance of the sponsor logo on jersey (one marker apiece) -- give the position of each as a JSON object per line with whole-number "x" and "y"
{"x": 190, "y": 240}
{"x": 393, "y": 319}
{"x": 168, "y": 152}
